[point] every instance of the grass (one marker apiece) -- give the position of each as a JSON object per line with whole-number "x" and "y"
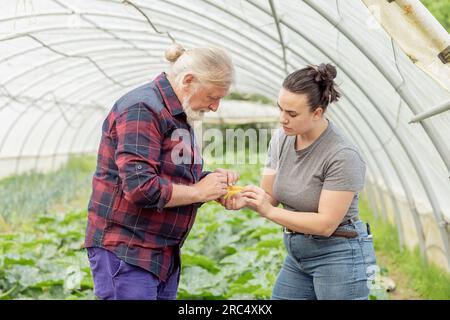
{"x": 26, "y": 195}
{"x": 427, "y": 280}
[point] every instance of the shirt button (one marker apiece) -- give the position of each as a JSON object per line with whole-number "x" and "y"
{"x": 139, "y": 167}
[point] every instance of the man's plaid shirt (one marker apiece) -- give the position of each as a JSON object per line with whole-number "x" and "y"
{"x": 143, "y": 139}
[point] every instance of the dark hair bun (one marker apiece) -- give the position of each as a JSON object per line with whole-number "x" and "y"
{"x": 317, "y": 82}
{"x": 326, "y": 73}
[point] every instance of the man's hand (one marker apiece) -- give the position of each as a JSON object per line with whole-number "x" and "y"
{"x": 232, "y": 176}
{"x": 211, "y": 187}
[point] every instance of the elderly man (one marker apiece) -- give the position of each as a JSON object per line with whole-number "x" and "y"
{"x": 149, "y": 183}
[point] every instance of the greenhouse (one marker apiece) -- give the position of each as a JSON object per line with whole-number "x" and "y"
{"x": 64, "y": 64}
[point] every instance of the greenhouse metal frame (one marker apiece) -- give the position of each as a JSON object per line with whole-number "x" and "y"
{"x": 63, "y": 63}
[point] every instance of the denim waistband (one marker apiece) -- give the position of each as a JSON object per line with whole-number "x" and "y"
{"x": 359, "y": 226}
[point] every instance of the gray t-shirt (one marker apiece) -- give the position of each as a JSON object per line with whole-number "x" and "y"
{"x": 331, "y": 162}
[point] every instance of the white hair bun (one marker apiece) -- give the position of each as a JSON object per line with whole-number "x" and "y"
{"x": 174, "y": 52}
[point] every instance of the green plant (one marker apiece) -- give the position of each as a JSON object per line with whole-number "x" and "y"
{"x": 228, "y": 254}
{"x": 252, "y": 97}
{"x": 44, "y": 260}
{"x": 441, "y": 10}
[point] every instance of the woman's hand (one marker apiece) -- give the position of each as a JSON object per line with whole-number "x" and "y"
{"x": 235, "y": 202}
{"x": 257, "y": 199}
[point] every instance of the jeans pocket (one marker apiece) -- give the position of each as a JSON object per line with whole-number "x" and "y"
{"x": 368, "y": 251}
{"x": 287, "y": 243}
{"x": 91, "y": 252}
{"x": 369, "y": 259}
{"x": 370, "y": 262}
{"x": 117, "y": 268}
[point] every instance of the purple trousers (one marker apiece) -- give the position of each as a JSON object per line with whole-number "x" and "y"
{"x": 114, "y": 279}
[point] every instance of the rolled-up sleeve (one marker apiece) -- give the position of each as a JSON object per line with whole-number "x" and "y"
{"x": 204, "y": 174}
{"x": 273, "y": 152}
{"x": 139, "y": 138}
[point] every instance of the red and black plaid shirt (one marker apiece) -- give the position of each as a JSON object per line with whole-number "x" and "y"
{"x": 146, "y": 146}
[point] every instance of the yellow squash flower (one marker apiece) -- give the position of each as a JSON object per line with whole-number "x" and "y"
{"x": 233, "y": 190}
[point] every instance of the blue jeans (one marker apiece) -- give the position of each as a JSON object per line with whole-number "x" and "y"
{"x": 334, "y": 268}
{"x": 114, "y": 279}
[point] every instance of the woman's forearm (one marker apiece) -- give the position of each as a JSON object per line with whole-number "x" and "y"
{"x": 272, "y": 200}
{"x": 303, "y": 222}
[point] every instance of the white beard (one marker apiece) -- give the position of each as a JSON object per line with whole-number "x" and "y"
{"x": 191, "y": 115}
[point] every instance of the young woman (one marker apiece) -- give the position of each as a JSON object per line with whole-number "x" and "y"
{"x": 315, "y": 172}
